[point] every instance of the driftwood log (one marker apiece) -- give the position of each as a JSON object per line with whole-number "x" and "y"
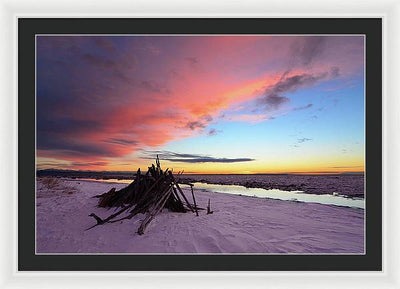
{"x": 147, "y": 194}
{"x": 209, "y": 208}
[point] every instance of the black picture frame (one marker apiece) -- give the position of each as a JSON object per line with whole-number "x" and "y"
{"x": 29, "y": 27}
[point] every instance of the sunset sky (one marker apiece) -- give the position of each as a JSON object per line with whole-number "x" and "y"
{"x": 204, "y": 104}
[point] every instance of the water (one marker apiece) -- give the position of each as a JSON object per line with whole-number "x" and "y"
{"x": 349, "y": 185}
{"x": 294, "y": 196}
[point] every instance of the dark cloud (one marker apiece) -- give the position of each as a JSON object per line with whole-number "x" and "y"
{"x": 300, "y": 141}
{"x": 304, "y": 139}
{"x": 123, "y": 142}
{"x": 306, "y": 49}
{"x": 303, "y": 107}
{"x": 195, "y": 125}
{"x": 201, "y": 123}
{"x": 274, "y": 100}
{"x": 213, "y": 132}
{"x": 295, "y": 82}
{"x": 190, "y": 158}
{"x": 274, "y": 96}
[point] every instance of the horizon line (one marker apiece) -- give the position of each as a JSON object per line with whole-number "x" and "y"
{"x": 208, "y": 173}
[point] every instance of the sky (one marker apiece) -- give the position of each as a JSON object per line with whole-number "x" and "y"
{"x": 204, "y": 104}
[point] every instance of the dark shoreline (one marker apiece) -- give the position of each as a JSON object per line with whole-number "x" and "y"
{"x": 344, "y": 184}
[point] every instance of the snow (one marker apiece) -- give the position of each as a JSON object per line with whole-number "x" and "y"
{"x": 239, "y": 224}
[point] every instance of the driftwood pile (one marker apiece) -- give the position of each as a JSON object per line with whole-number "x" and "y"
{"x": 147, "y": 194}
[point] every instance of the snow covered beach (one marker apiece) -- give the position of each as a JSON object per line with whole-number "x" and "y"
{"x": 239, "y": 224}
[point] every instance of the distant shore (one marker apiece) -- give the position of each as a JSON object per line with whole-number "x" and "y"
{"x": 351, "y": 185}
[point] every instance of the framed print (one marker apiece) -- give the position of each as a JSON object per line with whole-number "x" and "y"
{"x": 233, "y": 144}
